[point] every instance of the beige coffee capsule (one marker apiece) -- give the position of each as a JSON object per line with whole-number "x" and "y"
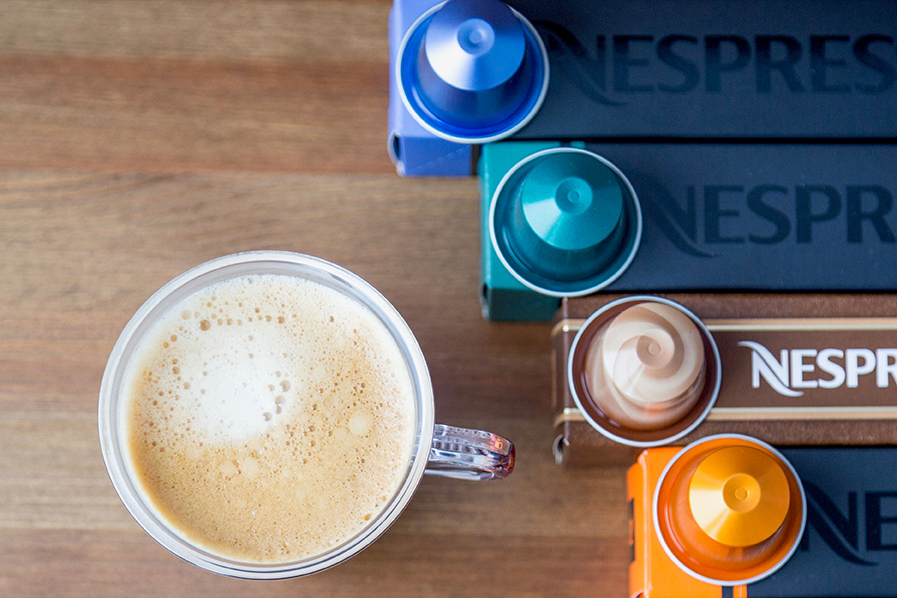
{"x": 644, "y": 370}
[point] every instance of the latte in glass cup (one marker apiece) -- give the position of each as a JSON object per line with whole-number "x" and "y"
{"x": 268, "y": 418}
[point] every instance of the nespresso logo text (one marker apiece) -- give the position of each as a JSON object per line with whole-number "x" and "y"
{"x": 681, "y": 63}
{"x": 798, "y": 369}
{"x": 768, "y": 214}
{"x": 841, "y": 529}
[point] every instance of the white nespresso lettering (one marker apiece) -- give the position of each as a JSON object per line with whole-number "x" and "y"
{"x": 801, "y": 368}
{"x": 825, "y": 363}
{"x": 765, "y": 365}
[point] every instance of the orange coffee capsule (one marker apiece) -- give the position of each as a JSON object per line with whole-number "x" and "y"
{"x": 729, "y": 510}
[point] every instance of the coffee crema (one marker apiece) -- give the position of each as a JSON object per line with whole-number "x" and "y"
{"x": 268, "y": 418}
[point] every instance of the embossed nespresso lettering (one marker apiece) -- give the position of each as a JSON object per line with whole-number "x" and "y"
{"x": 841, "y": 529}
{"x": 681, "y": 63}
{"x": 828, "y": 368}
{"x": 769, "y": 214}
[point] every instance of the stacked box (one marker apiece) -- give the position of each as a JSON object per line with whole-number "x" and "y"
{"x": 652, "y": 70}
{"x": 849, "y": 547}
{"x": 862, "y": 415}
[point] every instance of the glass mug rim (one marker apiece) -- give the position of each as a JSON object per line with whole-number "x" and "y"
{"x": 224, "y": 268}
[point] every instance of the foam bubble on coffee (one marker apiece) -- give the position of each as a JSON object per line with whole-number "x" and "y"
{"x": 269, "y": 418}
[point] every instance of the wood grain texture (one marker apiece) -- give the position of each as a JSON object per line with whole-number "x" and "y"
{"x": 177, "y": 115}
{"x": 140, "y": 138}
{"x": 233, "y": 30}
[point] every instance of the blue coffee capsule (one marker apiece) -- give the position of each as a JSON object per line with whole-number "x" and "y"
{"x": 565, "y": 222}
{"x": 472, "y": 71}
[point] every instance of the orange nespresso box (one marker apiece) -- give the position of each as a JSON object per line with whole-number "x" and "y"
{"x": 730, "y": 516}
{"x": 809, "y": 369}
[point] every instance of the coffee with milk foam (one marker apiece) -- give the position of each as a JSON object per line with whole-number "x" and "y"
{"x": 268, "y": 418}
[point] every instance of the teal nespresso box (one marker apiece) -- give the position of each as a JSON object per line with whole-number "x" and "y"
{"x": 503, "y": 296}
{"x": 708, "y": 216}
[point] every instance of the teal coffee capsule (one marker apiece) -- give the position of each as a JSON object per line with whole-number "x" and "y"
{"x": 565, "y": 222}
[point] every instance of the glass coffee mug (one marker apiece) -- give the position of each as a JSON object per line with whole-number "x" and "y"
{"x": 429, "y": 448}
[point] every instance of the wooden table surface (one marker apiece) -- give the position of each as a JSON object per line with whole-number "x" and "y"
{"x": 140, "y": 138}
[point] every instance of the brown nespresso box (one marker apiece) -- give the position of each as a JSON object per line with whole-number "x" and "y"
{"x": 796, "y": 369}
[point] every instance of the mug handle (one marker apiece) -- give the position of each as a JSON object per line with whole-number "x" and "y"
{"x": 469, "y": 454}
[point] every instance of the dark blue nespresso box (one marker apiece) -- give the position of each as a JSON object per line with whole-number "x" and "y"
{"x": 651, "y": 69}
{"x": 850, "y": 545}
{"x": 714, "y": 216}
